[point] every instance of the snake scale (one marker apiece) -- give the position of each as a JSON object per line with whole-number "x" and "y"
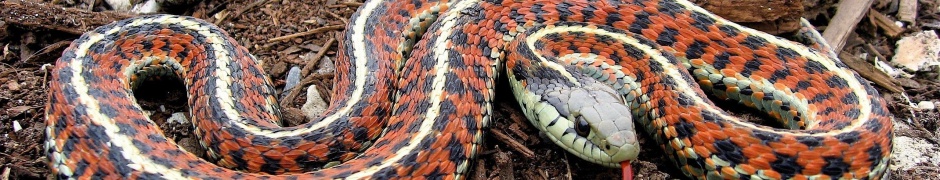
{"x": 415, "y": 79}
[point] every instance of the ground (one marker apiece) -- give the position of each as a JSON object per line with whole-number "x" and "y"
{"x": 26, "y": 51}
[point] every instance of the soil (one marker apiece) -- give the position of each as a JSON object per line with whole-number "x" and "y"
{"x": 27, "y": 51}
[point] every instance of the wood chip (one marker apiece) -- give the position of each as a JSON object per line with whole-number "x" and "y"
{"x": 907, "y": 10}
{"x": 512, "y": 143}
{"x": 848, "y": 14}
{"x": 352, "y": 4}
{"x": 868, "y": 71}
{"x": 885, "y": 23}
{"x": 504, "y": 164}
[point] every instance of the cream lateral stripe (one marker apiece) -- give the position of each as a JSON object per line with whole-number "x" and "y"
{"x": 115, "y": 139}
{"x": 856, "y": 87}
{"x": 671, "y": 70}
{"x": 435, "y": 96}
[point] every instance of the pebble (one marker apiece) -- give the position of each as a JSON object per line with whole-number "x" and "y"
{"x": 16, "y": 126}
{"x": 326, "y": 66}
{"x": 292, "y": 79}
{"x": 918, "y": 52}
{"x": 178, "y": 117}
{"x": 926, "y": 105}
{"x": 315, "y": 104}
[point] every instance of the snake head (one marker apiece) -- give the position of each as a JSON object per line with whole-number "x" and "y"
{"x": 589, "y": 120}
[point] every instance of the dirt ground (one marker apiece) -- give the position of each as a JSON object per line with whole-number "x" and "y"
{"x": 27, "y": 49}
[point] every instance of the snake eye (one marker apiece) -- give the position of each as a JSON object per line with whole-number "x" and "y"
{"x": 582, "y": 127}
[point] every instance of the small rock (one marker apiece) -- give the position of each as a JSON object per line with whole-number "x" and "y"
{"x": 16, "y": 126}
{"x": 926, "y": 105}
{"x": 120, "y": 5}
{"x": 315, "y": 104}
{"x": 292, "y": 79}
{"x": 13, "y": 86}
{"x": 326, "y": 66}
{"x": 918, "y": 52}
{"x": 147, "y": 7}
{"x": 178, "y": 118}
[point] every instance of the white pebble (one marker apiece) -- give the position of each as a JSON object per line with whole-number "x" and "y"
{"x": 178, "y": 118}
{"x": 917, "y": 52}
{"x": 315, "y": 104}
{"x": 16, "y": 126}
{"x": 926, "y": 105}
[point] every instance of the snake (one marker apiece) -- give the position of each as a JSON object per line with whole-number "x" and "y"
{"x": 414, "y": 85}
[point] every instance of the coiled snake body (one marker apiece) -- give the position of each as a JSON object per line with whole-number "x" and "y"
{"x": 581, "y": 69}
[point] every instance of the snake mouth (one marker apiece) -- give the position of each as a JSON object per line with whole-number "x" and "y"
{"x": 595, "y": 147}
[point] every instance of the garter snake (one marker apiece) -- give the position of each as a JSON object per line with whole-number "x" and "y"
{"x": 414, "y": 83}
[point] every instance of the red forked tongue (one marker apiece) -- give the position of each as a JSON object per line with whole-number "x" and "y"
{"x": 627, "y": 170}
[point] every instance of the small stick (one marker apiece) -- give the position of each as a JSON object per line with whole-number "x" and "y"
{"x": 316, "y": 59}
{"x": 513, "y": 144}
{"x": 304, "y": 83}
{"x": 351, "y": 4}
{"x": 338, "y": 17}
{"x": 307, "y": 33}
{"x": 55, "y": 48}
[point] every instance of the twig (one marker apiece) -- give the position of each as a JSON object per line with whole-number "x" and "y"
{"x": 307, "y": 33}
{"x": 351, "y": 4}
{"x": 55, "y": 48}
{"x": 304, "y": 83}
{"x": 884, "y": 23}
{"x": 867, "y": 71}
{"x": 512, "y": 143}
{"x": 316, "y": 59}
{"x": 871, "y": 49}
{"x": 338, "y": 17}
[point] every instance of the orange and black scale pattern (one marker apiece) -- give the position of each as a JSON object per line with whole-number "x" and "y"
{"x": 636, "y": 46}
{"x": 433, "y": 99}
